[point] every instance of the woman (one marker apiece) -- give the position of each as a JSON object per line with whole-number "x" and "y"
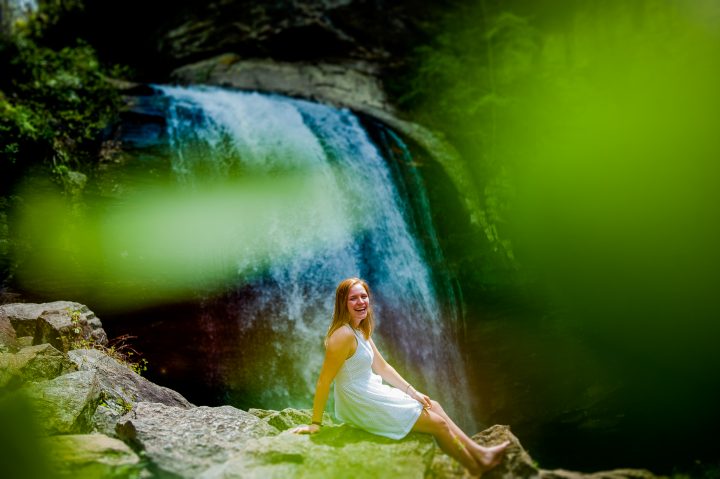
{"x": 363, "y": 401}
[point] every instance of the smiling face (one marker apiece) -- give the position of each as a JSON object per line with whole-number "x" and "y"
{"x": 357, "y": 304}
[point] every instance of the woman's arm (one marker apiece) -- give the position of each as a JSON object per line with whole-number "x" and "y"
{"x": 338, "y": 349}
{"x": 388, "y": 373}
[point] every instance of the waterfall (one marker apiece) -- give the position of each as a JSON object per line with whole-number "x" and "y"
{"x": 352, "y": 222}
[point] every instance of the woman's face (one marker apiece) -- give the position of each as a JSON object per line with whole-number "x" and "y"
{"x": 357, "y": 304}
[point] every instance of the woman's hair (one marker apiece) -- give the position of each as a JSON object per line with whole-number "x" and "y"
{"x": 341, "y": 315}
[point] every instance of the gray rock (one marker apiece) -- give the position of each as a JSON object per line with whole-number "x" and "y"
{"x": 288, "y": 417}
{"x": 24, "y": 318}
{"x": 91, "y": 456}
{"x": 336, "y": 451}
{"x": 66, "y": 404}
{"x": 8, "y": 340}
{"x": 354, "y": 84}
{"x": 186, "y": 442}
{"x": 121, "y": 388}
{"x": 69, "y": 328}
{"x": 24, "y": 342}
{"x": 518, "y": 464}
{"x": 34, "y": 363}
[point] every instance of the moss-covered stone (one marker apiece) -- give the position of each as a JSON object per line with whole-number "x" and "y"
{"x": 34, "y": 363}
{"x": 66, "y": 404}
{"x": 91, "y": 456}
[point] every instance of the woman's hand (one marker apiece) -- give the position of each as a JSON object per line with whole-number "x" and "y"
{"x": 305, "y": 429}
{"x": 421, "y": 398}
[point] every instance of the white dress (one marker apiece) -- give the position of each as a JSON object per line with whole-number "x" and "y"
{"x": 362, "y": 400}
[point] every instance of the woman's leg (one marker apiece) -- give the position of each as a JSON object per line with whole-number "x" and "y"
{"x": 434, "y": 424}
{"x": 486, "y": 456}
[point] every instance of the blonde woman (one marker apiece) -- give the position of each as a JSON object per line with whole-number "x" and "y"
{"x": 362, "y": 400}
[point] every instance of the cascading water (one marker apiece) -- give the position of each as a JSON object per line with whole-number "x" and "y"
{"x": 355, "y": 225}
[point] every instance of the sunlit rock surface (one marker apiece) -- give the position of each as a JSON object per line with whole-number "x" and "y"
{"x": 91, "y": 456}
{"x": 186, "y": 442}
{"x": 336, "y": 451}
{"x": 66, "y": 404}
{"x": 288, "y": 418}
{"x": 34, "y": 363}
{"x": 121, "y": 388}
{"x": 58, "y": 323}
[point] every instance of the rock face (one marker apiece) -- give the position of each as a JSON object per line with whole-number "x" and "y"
{"x": 297, "y": 30}
{"x": 352, "y": 85}
{"x": 186, "y": 442}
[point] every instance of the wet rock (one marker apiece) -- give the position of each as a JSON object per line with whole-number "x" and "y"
{"x": 186, "y": 442}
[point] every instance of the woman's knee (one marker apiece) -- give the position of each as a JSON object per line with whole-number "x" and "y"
{"x": 431, "y": 423}
{"x": 436, "y": 405}
{"x": 439, "y": 424}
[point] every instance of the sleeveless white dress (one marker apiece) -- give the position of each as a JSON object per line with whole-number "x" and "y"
{"x": 362, "y": 400}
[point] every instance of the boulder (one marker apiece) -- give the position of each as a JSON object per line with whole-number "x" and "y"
{"x": 186, "y": 442}
{"x": 288, "y": 417}
{"x": 336, "y": 451}
{"x": 23, "y": 316}
{"x": 8, "y": 340}
{"x": 121, "y": 388}
{"x": 69, "y": 328}
{"x": 518, "y": 464}
{"x": 34, "y": 363}
{"x": 66, "y": 404}
{"x": 58, "y": 327}
{"x": 90, "y": 456}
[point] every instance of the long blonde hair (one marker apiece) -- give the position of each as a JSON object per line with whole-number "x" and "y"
{"x": 341, "y": 315}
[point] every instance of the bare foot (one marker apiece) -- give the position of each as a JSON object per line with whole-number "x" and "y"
{"x": 489, "y": 457}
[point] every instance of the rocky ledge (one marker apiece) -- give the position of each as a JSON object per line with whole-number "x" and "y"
{"x": 98, "y": 418}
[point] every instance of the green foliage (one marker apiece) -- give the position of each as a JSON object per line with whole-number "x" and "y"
{"x": 54, "y": 103}
{"x": 118, "y": 348}
{"x": 466, "y": 84}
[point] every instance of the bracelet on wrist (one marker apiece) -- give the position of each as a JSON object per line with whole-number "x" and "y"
{"x": 407, "y": 388}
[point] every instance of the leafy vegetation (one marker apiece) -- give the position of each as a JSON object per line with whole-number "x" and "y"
{"x": 54, "y": 100}
{"x": 464, "y": 84}
{"x": 118, "y": 348}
